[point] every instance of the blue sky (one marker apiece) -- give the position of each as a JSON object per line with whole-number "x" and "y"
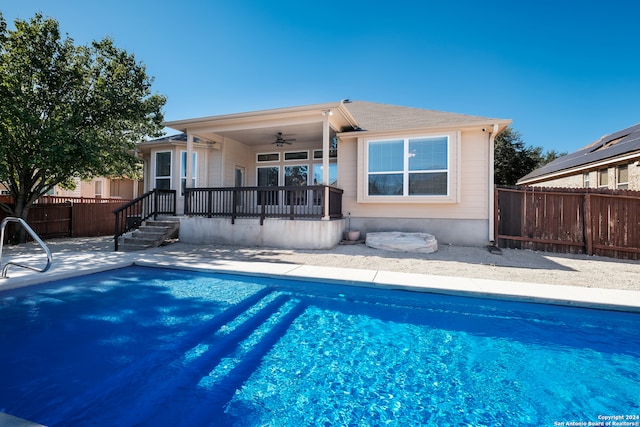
{"x": 566, "y": 72}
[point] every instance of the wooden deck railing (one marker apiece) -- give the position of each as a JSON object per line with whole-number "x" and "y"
{"x": 151, "y": 204}
{"x": 293, "y": 202}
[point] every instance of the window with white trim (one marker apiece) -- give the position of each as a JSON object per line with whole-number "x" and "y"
{"x": 268, "y": 176}
{"x": 318, "y": 174}
{"x": 603, "y": 178}
{"x": 267, "y": 157}
{"x": 163, "y": 170}
{"x": 98, "y": 189}
{"x": 296, "y": 155}
{"x": 408, "y": 167}
{"x": 622, "y": 172}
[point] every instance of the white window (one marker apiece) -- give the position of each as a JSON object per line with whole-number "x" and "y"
{"x": 623, "y": 177}
{"x": 183, "y": 170}
{"x": 98, "y": 189}
{"x": 408, "y": 167}
{"x": 318, "y": 174}
{"x": 586, "y": 181}
{"x": 603, "y": 178}
{"x": 296, "y": 155}
{"x": 268, "y": 176}
{"x": 268, "y": 157}
{"x": 163, "y": 170}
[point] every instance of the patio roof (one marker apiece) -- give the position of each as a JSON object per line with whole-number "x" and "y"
{"x": 376, "y": 117}
{"x": 304, "y": 123}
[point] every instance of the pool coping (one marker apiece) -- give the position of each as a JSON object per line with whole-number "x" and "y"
{"x": 76, "y": 264}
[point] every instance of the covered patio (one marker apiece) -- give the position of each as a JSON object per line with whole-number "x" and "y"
{"x": 259, "y": 166}
{"x": 287, "y": 148}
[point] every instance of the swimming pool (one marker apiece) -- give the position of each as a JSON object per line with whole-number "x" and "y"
{"x": 162, "y": 347}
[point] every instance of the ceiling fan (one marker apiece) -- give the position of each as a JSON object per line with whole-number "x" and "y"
{"x": 280, "y": 140}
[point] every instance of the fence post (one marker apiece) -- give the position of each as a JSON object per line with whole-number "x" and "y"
{"x": 116, "y": 231}
{"x": 588, "y": 233}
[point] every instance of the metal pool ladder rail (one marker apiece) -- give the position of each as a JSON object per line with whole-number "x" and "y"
{"x": 35, "y": 237}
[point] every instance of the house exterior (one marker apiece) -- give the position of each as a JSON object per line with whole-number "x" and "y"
{"x": 611, "y": 162}
{"x": 102, "y": 187}
{"x": 96, "y": 188}
{"x": 397, "y": 168}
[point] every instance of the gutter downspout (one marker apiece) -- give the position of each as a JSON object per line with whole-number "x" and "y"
{"x": 492, "y": 201}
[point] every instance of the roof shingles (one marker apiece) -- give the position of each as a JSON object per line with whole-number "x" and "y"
{"x": 383, "y": 117}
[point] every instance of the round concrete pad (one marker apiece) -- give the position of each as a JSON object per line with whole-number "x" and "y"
{"x": 402, "y": 242}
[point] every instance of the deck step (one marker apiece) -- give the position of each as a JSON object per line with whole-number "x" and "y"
{"x": 151, "y": 234}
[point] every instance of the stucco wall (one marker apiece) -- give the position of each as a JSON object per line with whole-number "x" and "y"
{"x": 279, "y": 233}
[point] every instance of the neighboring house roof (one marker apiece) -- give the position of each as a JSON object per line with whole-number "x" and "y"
{"x": 609, "y": 147}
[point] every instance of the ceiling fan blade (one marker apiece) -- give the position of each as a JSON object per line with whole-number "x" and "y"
{"x": 280, "y": 140}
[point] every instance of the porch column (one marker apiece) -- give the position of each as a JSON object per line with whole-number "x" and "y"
{"x": 325, "y": 160}
{"x": 189, "y": 170}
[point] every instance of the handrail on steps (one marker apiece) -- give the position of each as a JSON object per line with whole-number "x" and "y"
{"x": 35, "y": 237}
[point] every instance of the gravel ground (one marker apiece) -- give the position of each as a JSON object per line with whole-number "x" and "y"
{"x": 460, "y": 261}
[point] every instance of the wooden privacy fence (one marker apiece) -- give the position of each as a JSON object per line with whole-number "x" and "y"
{"x": 590, "y": 221}
{"x": 52, "y": 220}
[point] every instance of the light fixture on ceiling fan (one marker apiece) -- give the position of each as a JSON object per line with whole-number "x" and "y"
{"x": 280, "y": 140}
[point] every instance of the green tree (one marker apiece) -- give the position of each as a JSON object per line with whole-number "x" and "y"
{"x": 513, "y": 159}
{"x": 68, "y": 111}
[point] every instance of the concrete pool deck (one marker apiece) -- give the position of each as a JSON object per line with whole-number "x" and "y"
{"x": 72, "y": 260}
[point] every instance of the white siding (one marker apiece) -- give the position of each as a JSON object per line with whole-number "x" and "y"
{"x": 473, "y": 173}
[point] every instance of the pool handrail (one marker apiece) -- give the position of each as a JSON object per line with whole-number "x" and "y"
{"x": 35, "y": 237}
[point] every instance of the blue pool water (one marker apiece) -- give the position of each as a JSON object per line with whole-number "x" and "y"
{"x": 158, "y": 347}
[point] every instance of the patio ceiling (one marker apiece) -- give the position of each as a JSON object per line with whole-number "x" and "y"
{"x": 304, "y": 124}
{"x": 302, "y": 133}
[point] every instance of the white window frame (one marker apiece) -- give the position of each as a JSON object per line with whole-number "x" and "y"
{"x": 453, "y": 171}
{"x": 603, "y": 172}
{"x": 333, "y": 154}
{"x": 284, "y": 172}
{"x": 332, "y": 162}
{"x": 155, "y": 169}
{"x": 624, "y": 184}
{"x": 268, "y": 154}
{"x": 269, "y": 166}
{"x": 98, "y": 188}
{"x": 306, "y": 158}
